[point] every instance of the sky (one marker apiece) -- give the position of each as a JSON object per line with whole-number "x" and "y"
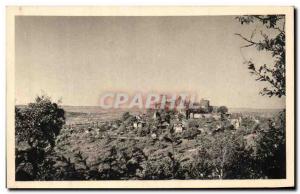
{"x": 77, "y": 59}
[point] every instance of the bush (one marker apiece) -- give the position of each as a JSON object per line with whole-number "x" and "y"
{"x": 125, "y": 116}
{"x": 190, "y": 133}
{"x": 158, "y": 169}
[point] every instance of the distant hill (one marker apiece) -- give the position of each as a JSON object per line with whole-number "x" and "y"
{"x": 90, "y": 109}
{"x": 79, "y": 114}
{"x": 98, "y": 109}
{"x": 253, "y": 110}
{"x": 95, "y": 109}
{"x": 267, "y": 113}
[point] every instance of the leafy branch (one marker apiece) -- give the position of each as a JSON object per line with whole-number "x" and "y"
{"x": 274, "y": 74}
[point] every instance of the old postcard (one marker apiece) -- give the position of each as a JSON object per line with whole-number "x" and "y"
{"x": 150, "y": 97}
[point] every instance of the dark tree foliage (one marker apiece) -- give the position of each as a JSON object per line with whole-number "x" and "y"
{"x": 271, "y": 152}
{"x": 36, "y": 127}
{"x": 39, "y": 123}
{"x": 109, "y": 168}
{"x": 274, "y": 74}
{"x": 173, "y": 140}
{"x": 122, "y": 164}
{"x": 190, "y": 133}
{"x": 125, "y": 116}
{"x": 223, "y": 156}
{"x": 222, "y": 109}
{"x": 159, "y": 170}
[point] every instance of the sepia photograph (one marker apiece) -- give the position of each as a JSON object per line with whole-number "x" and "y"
{"x": 150, "y": 97}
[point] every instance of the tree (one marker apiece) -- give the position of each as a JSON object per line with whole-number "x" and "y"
{"x": 134, "y": 161}
{"x": 109, "y": 168}
{"x": 39, "y": 122}
{"x": 124, "y": 162}
{"x": 222, "y": 156}
{"x": 36, "y": 127}
{"x": 274, "y": 74}
{"x": 172, "y": 139}
{"x": 190, "y": 133}
{"x": 271, "y": 151}
{"x": 271, "y": 154}
{"x": 222, "y": 109}
{"x": 159, "y": 169}
{"x": 125, "y": 116}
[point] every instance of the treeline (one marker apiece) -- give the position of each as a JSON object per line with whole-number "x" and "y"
{"x": 224, "y": 155}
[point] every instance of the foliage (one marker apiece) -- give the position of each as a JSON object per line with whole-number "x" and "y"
{"x": 109, "y": 168}
{"x": 274, "y": 74}
{"x": 158, "y": 170}
{"x": 271, "y": 149}
{"x": 172, "y": 139}
{"x": 190, "y": 133}
{"x": 39, "y": 123}
{"x": 225, "y": 157}
{"x": 125, "y": 116}
{"x": 36, "y": 127}
{"x": 123, "y": 163}
{"x": 222, "y": 109}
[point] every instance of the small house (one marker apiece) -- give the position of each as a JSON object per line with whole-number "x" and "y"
{"x": 138, "y": 124}
{"x": 236, "y": 123}
{"x": 153, "y": 136}
{"x": 178, "y": 128}
{"x": 141, "y": 124}
{"x": 216, "y": 116}
{"x": 251, "y": 142}
{"x": 197, "y": 115}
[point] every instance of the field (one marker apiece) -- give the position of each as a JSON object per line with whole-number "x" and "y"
{"x": 85, "y": 114}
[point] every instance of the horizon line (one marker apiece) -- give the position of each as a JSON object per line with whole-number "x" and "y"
{"x": 138, "y": 108}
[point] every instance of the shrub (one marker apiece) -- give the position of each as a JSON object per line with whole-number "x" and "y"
{"x": 190, "y": 133}
{"x": 125, "y": 116}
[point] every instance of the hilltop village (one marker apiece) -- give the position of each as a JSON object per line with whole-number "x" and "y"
{"x": 159, "y": 139}
{"x": 185, "y": 123}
